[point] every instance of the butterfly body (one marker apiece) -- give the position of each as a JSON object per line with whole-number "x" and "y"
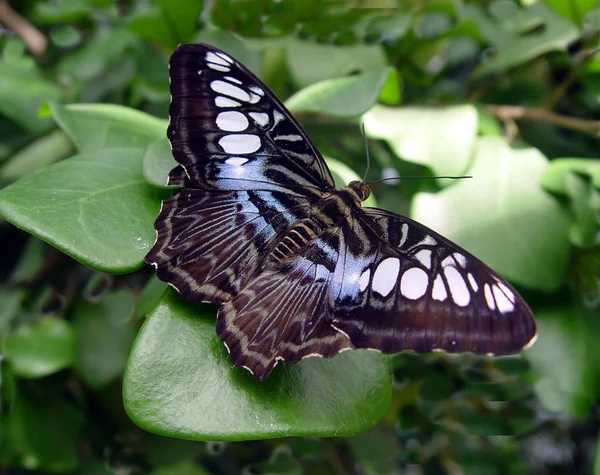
{"x": 299, "y": 267}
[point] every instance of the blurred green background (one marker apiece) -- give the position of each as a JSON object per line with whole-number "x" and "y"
{"x": 103, "y": 371}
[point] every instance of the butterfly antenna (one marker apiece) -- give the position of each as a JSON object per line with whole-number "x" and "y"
{"x": 367, "y": 151}
{"x": 419, "y": 178}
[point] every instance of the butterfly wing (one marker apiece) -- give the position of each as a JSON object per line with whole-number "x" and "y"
{"x": 230, "y": 132}
{"x": 248, "y": 173}
{"x": 401, "y": 286}
{"x": 210, "y": 243}
{"x": 282, "y": 314}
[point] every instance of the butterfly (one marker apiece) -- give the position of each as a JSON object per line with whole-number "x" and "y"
{"x": 298, "y": 267}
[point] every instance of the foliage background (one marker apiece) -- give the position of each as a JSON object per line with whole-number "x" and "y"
{"x": 506, "y": 91}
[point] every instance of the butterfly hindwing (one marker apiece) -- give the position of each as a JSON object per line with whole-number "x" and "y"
{"x": 282, "y": 315}
{"x": 405, "y": 287}
{"x": 210, "y": 243}
{"x": 230, "y": 132}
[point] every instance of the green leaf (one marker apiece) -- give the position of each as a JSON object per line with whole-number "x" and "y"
{"x": 391, "y": 93}
{"x": 95, "y": 207}
{"x": 167, "y": 22}
{"x": 310, "y": 62}
{"x": 31, "y": 262}
{"x": 40, "y": 153}
{"x": 573, "y": 10}
{"x": 158, "y": 161}
{"x": 23, "y": 89}
{"x": 518, "y": 34}
{"x": 104, "y": 335}
{"x": 42, "y": 348}
{"x": 585, "y": 206}
{"x": 43, "y": 431}
{"x": 12, "y": 300}
{"x": 564, "y": 359}
{"x": 343, "y": 97}
{"x": 185, "y": 467}
{"x": 442, "y": 139}
{"x": 52, "y": 12}
{"x": 98, "y": 53}
{"x": 150, "y": 296}
{"x": 93, "y": 127}
{"x": 502, "y": 216}
{"x": 180, "y": 382}
{"x": 554, "y": 180}
{"x": 65, "y": 36}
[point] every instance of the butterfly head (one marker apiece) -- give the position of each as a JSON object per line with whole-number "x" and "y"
{"x": 361, "y": 189}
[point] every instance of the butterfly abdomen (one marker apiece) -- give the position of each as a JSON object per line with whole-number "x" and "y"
{"x": 297, "y": 237}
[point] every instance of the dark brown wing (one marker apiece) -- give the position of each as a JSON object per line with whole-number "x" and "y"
{"x": 282, "y": 314}
{"x": 401, "y": 286}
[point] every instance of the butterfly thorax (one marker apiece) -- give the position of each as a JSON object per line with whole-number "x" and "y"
{"x": 337, "y": 205}
{"x": 329, "y": 212}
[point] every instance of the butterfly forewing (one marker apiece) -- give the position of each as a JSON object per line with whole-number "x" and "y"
{"x": 230, "y": 132}
{"x": 300, "y": 268}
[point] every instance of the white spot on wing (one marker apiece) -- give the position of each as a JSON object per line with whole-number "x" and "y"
{"x": 223, "y": 87}
{"x": 232, "y": 121}
{"x": 428, "y": 241}
{"x": 504, "y": 305}
{"x": 221, "y": 101}
{"x": 257, "y": 90}
{"x": 385, "y": 276}
{"x": 414, "y": 283}
{"x": 509, "y": 293}
{"x": 473, "y": 282}
{"x": 363, "y": 282}
{"x": 404, "y": 231}
{"x": 424, "y": 257}
{"x": 462, "y": 260}
{"x": 289, "y": 138}
{"x": 261, "y": 118}
{"x": 231, "y": 79}
{"x": 489, "y": 298}
{"x": 236, "y": 161}
{"x": 240, "y": 143}
{"x": 458, "y": 286}
{"x": 213, "y": 58}
{"x": 218, "y": 67}
{"x": 224, "y": 56}
{"x": 439, "y": 289}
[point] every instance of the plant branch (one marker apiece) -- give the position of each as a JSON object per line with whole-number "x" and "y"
{"x": 557, "y": 94}
{"x": 34, "y": 39}
{"x": 537, "y": 114}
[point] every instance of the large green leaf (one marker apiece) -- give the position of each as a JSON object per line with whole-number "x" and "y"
{"x": 93, "y": 127}
{"x": 573, "y": 10}
{"x": 23, "y": 89}
{"x": 564, "y": 359}
{"x": 42, "y": 152}
{"x": 310, "y": 62}
{"x": 96, "y": 207}
{"x": 442, "y": 139}
{"x": 180, "y": 382}
{"x": 555, "y": 177}
{"x": 344, "y": 97}
{"x": 502, "y": 216}
{"x": 167, "y": 22}
{"x": 39, "y": 349}
{"x": 518, "y": 34}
